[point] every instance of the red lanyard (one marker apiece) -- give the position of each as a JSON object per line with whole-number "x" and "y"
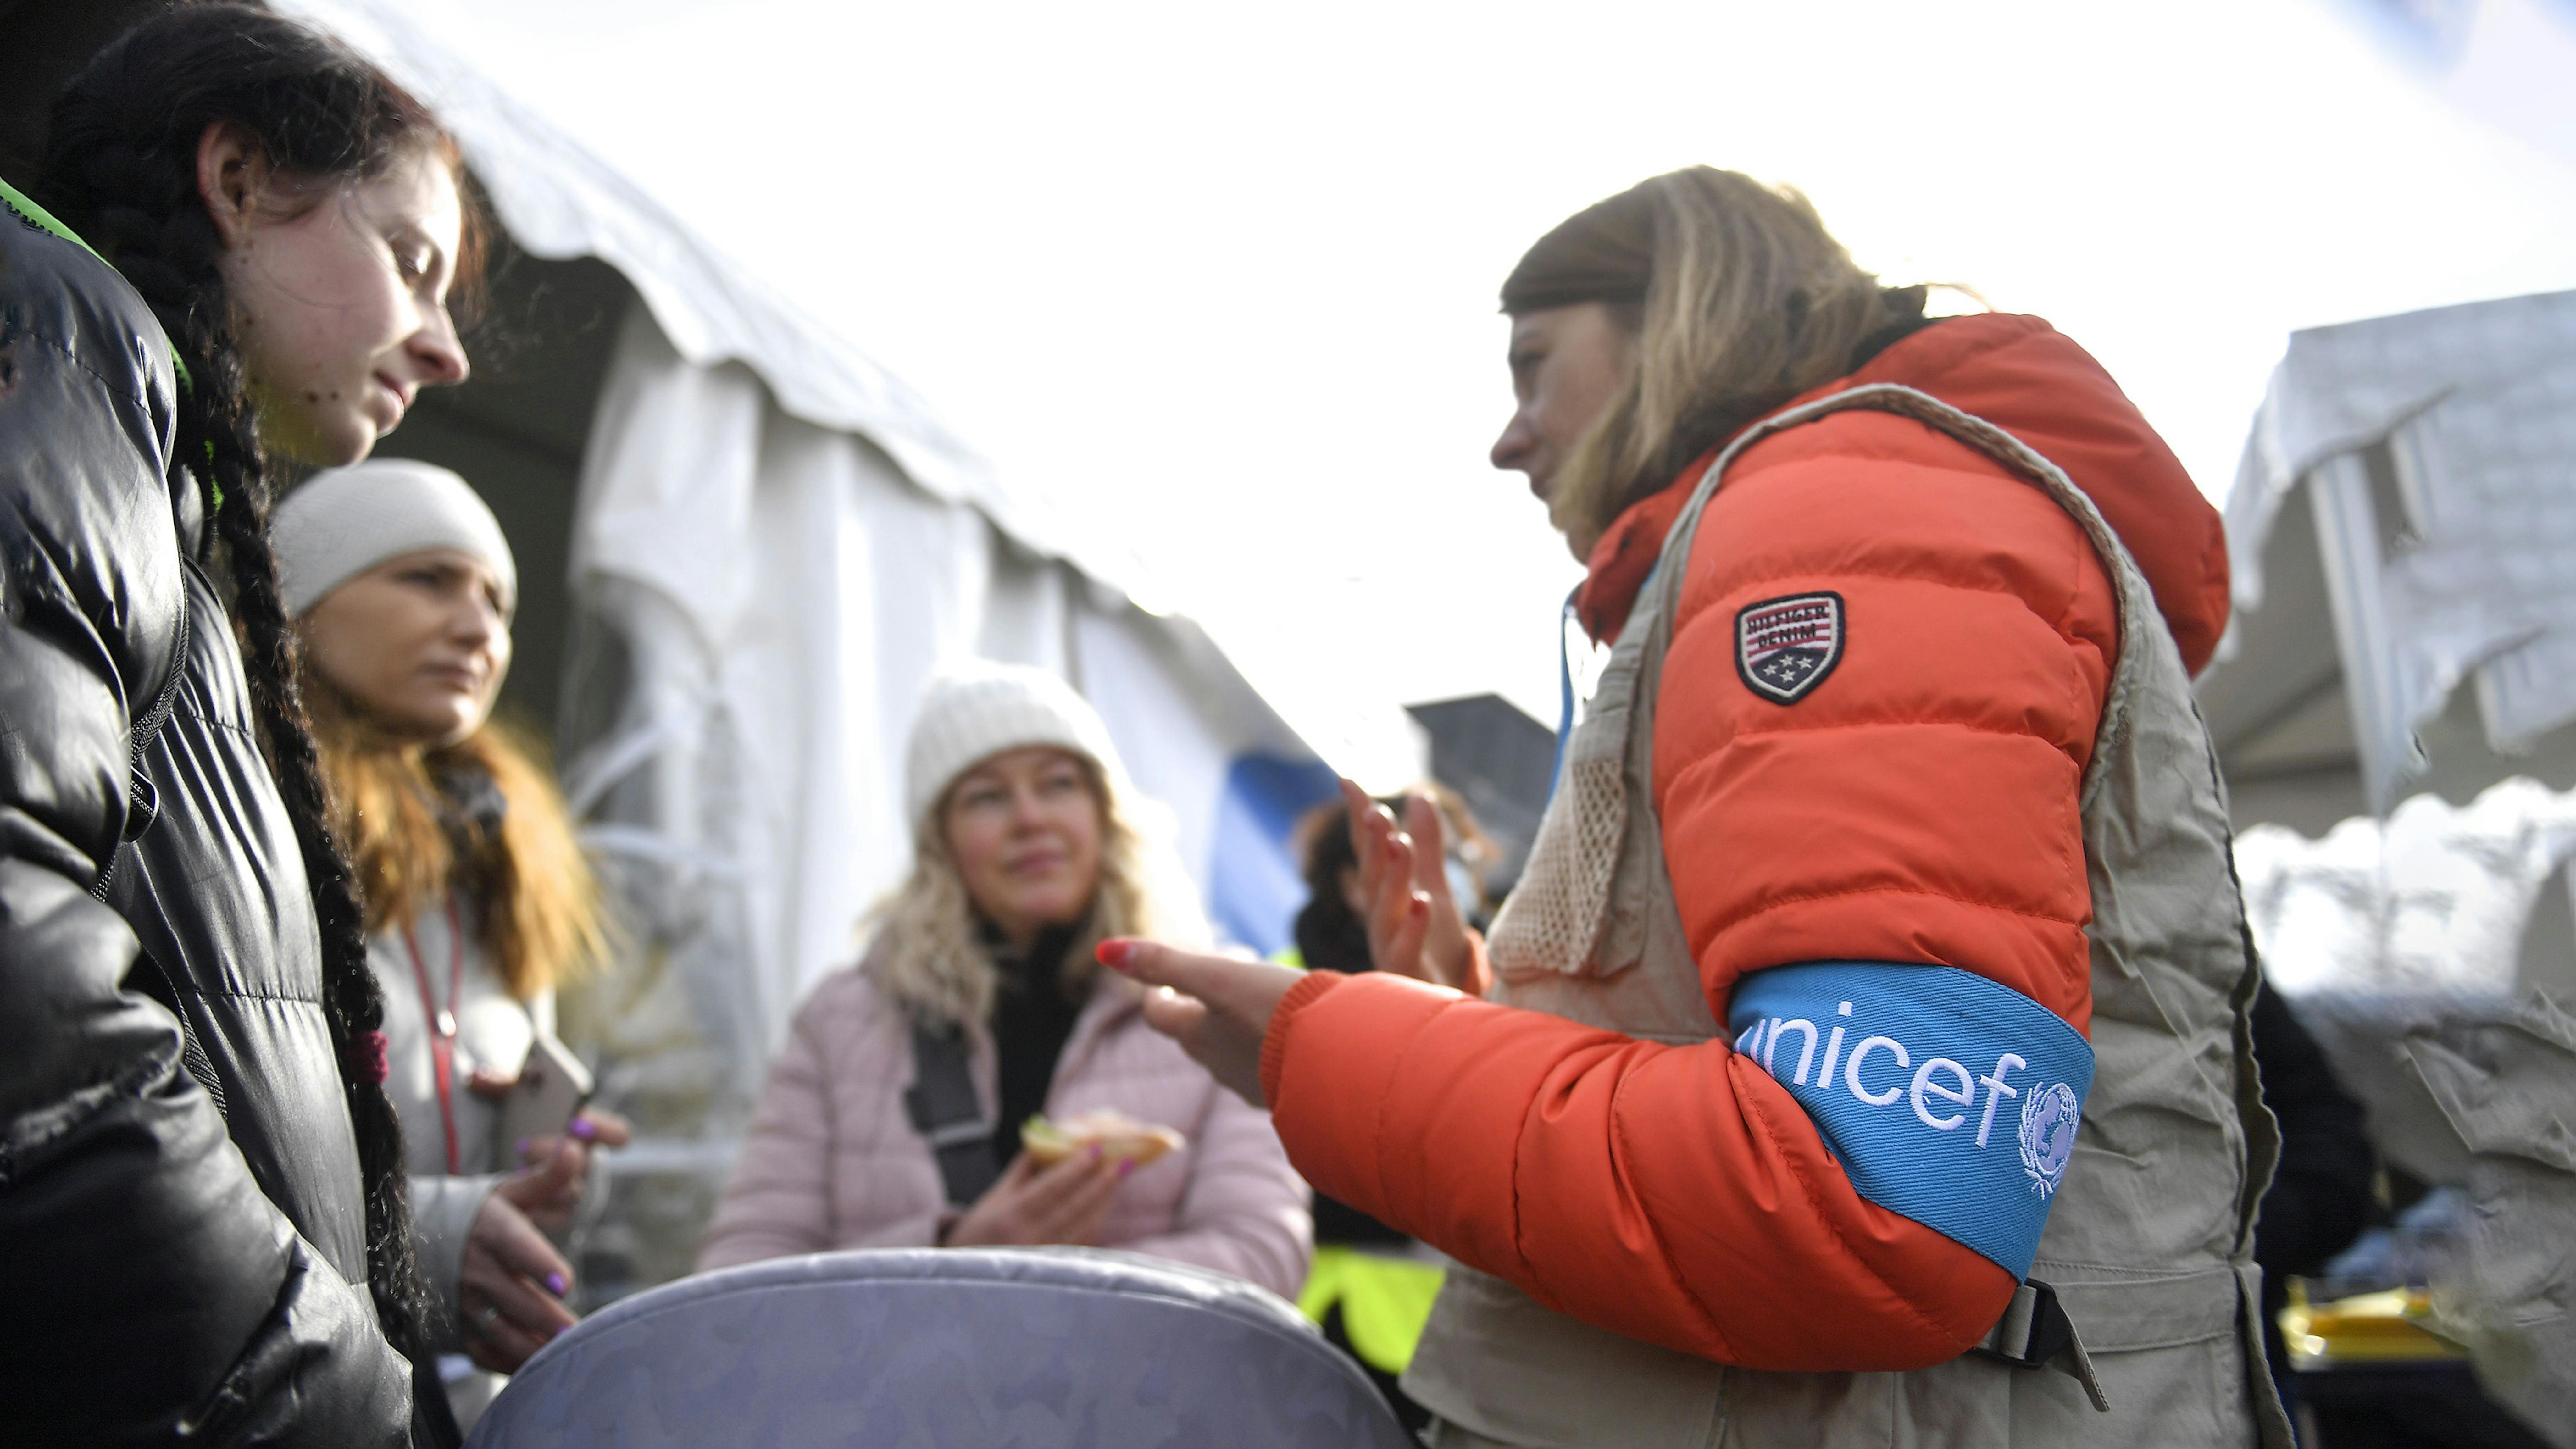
{"x": 442, "y": 1024}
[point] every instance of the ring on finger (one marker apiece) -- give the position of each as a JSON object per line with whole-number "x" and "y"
{"x": 479, "y": 1321}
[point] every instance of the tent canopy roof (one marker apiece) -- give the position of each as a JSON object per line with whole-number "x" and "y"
{"x": 558, "y": 201}
{"x": 2403, "y": 493}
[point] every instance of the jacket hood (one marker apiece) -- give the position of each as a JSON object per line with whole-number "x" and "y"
{"x": 2032, "y": 381}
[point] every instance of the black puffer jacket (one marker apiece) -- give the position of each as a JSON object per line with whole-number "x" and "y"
{"x": 181, "y": 1220}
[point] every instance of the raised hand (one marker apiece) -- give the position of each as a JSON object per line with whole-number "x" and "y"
{"x": 1414, "y": 925}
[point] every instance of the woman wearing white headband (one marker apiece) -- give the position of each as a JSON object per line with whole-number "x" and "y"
{"x": 478, "y": 900}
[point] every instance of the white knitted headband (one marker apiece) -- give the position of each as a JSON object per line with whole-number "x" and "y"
{"x": 345, "y": 521}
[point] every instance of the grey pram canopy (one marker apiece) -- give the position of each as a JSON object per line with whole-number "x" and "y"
{"x": 955, "y": 1348}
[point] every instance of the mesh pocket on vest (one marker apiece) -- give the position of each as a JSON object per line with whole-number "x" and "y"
{"x": 1553, "y": 917}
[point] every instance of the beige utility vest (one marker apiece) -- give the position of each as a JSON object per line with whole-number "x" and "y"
{"x": 2149, "y": 1242}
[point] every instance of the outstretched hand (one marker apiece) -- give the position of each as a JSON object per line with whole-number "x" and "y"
{"x": 1217, "y": 1007}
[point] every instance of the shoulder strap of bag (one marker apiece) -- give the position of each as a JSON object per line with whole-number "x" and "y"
{"x": 945, "y": 1110}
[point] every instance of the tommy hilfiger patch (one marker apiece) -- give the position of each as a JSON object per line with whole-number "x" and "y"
{"x": 1784, "y": 648}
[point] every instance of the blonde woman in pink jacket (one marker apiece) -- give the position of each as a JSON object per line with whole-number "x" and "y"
{"x": 892, "y": 1118}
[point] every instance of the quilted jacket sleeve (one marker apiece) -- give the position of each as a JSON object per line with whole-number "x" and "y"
{"x": 148, "y": 1290}
{"x": 1918, "y": 807}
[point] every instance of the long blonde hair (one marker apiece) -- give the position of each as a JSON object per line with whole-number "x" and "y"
{"x": 928, "y": 955}
{"x": 535, "y": 899}
{"x": 1749, "y": 302}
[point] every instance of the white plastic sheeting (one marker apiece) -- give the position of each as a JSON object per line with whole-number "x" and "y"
{"x": 2476, "y": 407}
{"x": 2383, "y": 929}
{"x": 2507, "y": 1086}
{"x": 2402, "y": 945}
{"x": 2434, "y": 900}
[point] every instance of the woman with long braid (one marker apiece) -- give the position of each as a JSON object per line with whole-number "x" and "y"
{"x": 198, "y": 1163}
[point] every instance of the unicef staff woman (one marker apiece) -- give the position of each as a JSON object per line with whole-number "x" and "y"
{"x": 978, "y": 1003}
{"x": 1889, "y": 844}
{"x": 478, "y": 900}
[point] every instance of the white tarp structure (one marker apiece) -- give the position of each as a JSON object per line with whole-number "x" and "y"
{"x": 776, "y": 545}
{"x": 2406, "y": 948}
{"x": 2436, "y": 899}
{"x": 2452, "y": 563}
{"x": 2426, "y": 942}
{"x": 781, "y": 593}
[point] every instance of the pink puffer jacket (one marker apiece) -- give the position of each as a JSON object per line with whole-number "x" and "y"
{"x": 833, "y": 1161}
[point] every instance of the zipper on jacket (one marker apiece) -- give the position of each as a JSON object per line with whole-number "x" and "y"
{"x": 142, "y": 807}
{"x": 142, "y": 801}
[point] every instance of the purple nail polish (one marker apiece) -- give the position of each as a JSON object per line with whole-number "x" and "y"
{"x": 1125, "y": 1166}
{"x": 555, "y": 1284}
{"x": 583, "y": 1128}
{"x": 560, "y": 1332}
{"x": 523, "y": 1147}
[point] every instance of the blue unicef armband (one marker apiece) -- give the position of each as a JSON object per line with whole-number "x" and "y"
{"x": 1944, "y": 1096}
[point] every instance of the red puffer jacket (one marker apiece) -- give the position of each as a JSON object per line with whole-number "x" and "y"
{"x": 1920, "y": 806}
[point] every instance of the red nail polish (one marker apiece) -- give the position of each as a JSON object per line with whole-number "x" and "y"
{"x": 1114, "y": 953}
{"x": 1420, "y": 905}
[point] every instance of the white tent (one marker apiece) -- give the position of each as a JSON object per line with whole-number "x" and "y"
{"x": 2421, "y": 938}
{"x": 775, "y": 544}
{"x": 2436, "y": 453}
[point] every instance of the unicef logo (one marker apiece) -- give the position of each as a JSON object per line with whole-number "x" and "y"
{"x": 2048, "y": 1136}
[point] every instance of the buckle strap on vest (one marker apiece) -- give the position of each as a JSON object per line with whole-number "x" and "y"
{"x": 942, "y": 1104}
{"x": 2036, "y": 1333}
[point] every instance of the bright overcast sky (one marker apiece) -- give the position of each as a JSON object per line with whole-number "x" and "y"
{"x": 1224, "y": 276}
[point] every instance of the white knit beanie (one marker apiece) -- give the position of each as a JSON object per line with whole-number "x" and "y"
{"x": 345, "y": 521}
{"x": 978, "y": 710}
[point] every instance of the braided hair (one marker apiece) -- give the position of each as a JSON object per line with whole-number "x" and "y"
{"x": 121, "y": 168}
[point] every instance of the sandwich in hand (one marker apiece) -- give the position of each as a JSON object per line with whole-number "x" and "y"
{"x": 1121, "y": 1138}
